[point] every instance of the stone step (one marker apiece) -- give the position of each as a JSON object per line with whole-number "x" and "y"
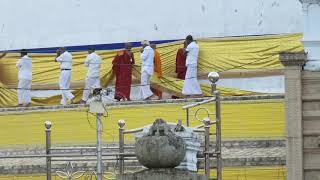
{"x": 232, "y": 157}
{"x": 77, "y": 149}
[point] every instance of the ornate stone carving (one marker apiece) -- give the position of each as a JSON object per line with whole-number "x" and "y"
{"x": 160, "y": 147}
{"x": 293, "y": 59}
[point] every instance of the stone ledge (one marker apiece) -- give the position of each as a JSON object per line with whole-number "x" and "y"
{"x": 32, "y": 168}
{"x": 162, "y": 174}
{"x": 228, "y": 144}
{"x": 134, "y": 103}
{"x": 232, "y": 157}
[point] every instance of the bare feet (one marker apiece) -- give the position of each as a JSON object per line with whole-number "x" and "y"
{"x": 148, "y": 98}
{"x": 81, "y": 102}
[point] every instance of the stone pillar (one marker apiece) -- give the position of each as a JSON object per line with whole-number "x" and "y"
{"x": 293, "y": 63}
{"x": 311, "y": 33}
{"x": 193, "y": 146}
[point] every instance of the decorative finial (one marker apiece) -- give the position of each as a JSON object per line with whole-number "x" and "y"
{"x": 121, "y": 123}
{"x": 48, "y": 124}
{"x": 206, "y": 121}
{"x": 213, "y": 77}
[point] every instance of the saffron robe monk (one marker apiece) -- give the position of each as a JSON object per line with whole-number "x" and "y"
{"x": 157, "y": 70}
{"x": 122, "y": 69}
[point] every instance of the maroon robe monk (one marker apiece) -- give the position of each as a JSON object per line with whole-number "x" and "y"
{"x": 181, "y": 68}
{"x": 122, "y": 69}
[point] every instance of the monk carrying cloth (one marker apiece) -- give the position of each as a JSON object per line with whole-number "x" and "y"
{"x": 93, "y": 62}
{"x": 122, "y": 69}
{"x": 65, "y": 59}
{"x": 25, "y": 78}
{"x": 181, "y": 67}
{"x": 157, "y": 69}
{"x": 147, "y": 68}
{"x": 191, "y": 87}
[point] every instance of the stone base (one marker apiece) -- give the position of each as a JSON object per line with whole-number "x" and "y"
{"x": 162, "y": 174}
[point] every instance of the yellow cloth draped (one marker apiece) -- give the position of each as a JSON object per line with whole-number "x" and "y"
{"x": 174, "y": 86}
{"x": 219, "y": 54}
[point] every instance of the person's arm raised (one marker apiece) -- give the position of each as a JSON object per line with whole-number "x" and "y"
{"x": 3, "y": 54}
{"x": 144, "y": 54}
{"x": 58, "y": 56}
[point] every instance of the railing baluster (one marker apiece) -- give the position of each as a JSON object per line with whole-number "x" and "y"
{"x": 48, "y": 149}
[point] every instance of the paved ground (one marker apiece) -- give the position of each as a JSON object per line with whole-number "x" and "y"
{"x": 253, "y": 152}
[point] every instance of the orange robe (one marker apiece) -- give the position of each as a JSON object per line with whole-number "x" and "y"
{"x": 158, "y": 72}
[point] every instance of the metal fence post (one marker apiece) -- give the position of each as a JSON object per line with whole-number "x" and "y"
{"x": 214, "y": 77}
{"x": 187, "y": 116}
{"x": 218, "y": 136}
{"x": 206, "y": 123}
{"x": 48, "y": 148}
{"x": 99, "y": 147}
{"x": 121, "y": 124}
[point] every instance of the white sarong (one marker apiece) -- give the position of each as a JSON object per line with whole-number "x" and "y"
{"x": 145, "y": 90}
{"x": 65, "y": 78}
{"x": 191, "y": 85}
{"x": 24, "y": 92}
{"x": 91, "y": 83}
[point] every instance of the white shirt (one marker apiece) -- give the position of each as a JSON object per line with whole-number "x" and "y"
{"x": 93, "y": 62}
{"x": 147, "y": 58}
{"x": 193, "y": 53}
{"x": 66, "y": 60}
{"x": 25, "y": 68}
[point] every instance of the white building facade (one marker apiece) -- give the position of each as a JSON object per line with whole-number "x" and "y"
{"x": 45, "y": 23}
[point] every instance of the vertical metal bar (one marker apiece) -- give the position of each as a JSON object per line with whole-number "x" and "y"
{"x": 48, "y": 149}
{"x": 187, "y": 117}
{"x": 213, "y": 88}
{"x": 99, "y": 147}
{"x": 218, "y": 136}
{"x": 121, "y": 124}
{"x": 207, "y": 148}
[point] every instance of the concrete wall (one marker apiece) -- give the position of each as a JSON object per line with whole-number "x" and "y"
{"x": 302, "y": 119}
{"x": 311, "y": 124}
{"x": 45, "y": 23}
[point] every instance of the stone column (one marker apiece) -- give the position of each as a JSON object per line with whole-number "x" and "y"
{"x": 293, "y": 63}
{"x": 311, "y": 33}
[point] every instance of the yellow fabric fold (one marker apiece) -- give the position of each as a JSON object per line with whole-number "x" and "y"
{"x": 216, "y": 54}
{"x": 174, "y": 86}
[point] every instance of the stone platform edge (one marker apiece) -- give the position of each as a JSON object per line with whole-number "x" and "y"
{"x": 72, "y": 107}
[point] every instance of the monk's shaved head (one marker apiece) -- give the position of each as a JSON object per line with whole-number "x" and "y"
{"x": 153, "y": 46}
{"x": 128, "y": 46}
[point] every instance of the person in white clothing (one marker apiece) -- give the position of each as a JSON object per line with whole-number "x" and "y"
{"x": 93, "y": 62}
{"x": 147, "y": 58}
{"x": 25, "y": 78}
{"x": 65, "y": 59}
{"x": 191, "y": 87}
